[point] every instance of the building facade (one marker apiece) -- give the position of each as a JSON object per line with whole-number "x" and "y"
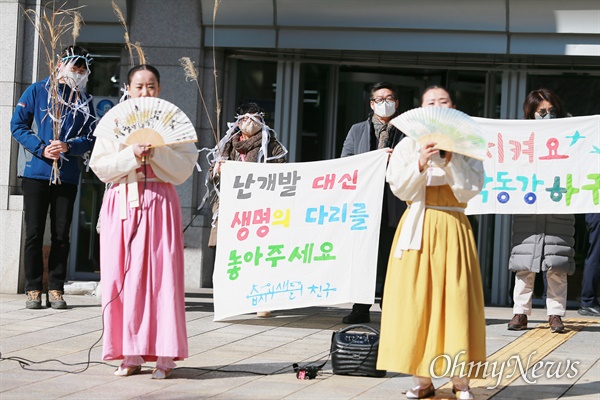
{"x": 309, "y": 63}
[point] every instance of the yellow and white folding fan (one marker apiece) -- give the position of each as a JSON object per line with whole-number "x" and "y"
{"x": 451, "y": 129}
{"x": 146, "y": 120}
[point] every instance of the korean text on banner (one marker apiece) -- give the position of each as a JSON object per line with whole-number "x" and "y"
{"x": 299, "y": 234}
{"x": 540, "y": 167}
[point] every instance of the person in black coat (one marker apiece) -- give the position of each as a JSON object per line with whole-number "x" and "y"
{"x": 373, "y": 134}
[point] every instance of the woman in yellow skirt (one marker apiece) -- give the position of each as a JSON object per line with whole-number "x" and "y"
{"x": 433, "y": 321}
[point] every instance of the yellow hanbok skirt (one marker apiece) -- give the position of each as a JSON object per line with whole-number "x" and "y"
{"x": 433, "y": 317}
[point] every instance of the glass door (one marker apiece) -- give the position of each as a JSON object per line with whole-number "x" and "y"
{"x": 315, "y": 107}
{"x": 477, "y": 93}
{"x": 84, "y": 258}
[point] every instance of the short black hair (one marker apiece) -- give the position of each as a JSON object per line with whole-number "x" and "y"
{"x": 249, "y": 108}
{"x": 81, "y": 56}
{"x": 384, "y": 85}
{"x": 143, "y": 67}
{"x": 432, "y": 87}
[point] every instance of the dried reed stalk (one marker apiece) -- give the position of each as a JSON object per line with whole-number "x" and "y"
{"x": 77, "y": 22}
{"x": 121, "y": 17}
{"x": 218, "y": 102}
{"x": 51, "y": 24}
{"x": 192, "y": 73}
{"x": 140, "y": 52}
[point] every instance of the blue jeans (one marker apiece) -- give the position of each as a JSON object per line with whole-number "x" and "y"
{"x": 591, "y": 270}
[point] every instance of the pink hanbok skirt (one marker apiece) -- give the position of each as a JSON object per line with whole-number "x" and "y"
{"x": 142, "y": 275}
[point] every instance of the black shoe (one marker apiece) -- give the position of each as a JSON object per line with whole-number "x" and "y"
{"x": 356, "y": 318}
{"x": 592, "y": 311}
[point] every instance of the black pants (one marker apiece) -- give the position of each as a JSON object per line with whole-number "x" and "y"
{"x": 591, "y": 270}
{"x": 386, "y": 237}
{"x": 38, "y": 196}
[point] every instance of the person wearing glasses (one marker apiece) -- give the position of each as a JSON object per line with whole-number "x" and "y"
{"x": 542, "y": 242}
{"x": 373, "y": 134}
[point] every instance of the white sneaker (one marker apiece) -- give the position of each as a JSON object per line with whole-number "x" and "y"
{"x": 419, "y": 392}
{"x": 464, "y": 395}
{"x": 160, "y": 374}
{"x": 263, "y": 314}
{"x": 128, "y": 371}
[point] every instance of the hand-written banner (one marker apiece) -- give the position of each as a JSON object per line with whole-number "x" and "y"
{"x": 298, "y": 235}
{"x": 540, "y": 167}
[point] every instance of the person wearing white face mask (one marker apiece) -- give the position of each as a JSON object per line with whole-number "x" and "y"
{"x": 377, "y": 133}
{"x": 74, "y": 77}
{"x": 542, "y": 242}
{"x": 62, "y": 91}
{"x": 249, "y": 139}
{"x": 250, "y": 125}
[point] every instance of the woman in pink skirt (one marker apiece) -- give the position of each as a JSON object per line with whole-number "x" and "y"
{"x": 141, "y": 245}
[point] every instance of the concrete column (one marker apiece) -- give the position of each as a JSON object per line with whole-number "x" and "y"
{"x": 167, "y": 31}
{"x": 14, "y": 38}
{"x": 21, "y": 66}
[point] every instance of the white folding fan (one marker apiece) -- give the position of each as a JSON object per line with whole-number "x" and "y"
{"x": 451, "y": 129}
{"x": 146, "y": 120}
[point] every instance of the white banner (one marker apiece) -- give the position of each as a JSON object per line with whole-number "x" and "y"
{"x": 299, "y": 234}
{"x": 540, "y": 167}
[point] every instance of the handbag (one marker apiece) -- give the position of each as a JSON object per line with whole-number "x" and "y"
{"x": 354, "y": 352}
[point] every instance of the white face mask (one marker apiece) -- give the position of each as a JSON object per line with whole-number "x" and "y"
{"x": 385, "y": 109}
{"x": 547, "y": 116}
{"x": 74, "y": 80}
{"x": 250, "y": 127}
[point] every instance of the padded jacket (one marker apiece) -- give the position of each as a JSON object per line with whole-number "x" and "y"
{"x": 543, "y": 242}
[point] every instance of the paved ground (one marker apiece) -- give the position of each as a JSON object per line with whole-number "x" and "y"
{"x": 251, "y": 358}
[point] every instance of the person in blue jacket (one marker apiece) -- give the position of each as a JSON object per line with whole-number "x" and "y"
{"x": 32, "y": 125}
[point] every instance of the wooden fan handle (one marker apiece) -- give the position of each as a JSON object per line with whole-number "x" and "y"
{"x": 147, "y": 135}
{"x": 172, "y": 143}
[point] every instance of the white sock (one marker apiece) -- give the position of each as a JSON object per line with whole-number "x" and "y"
{"x": 461, "y": 384}
{"x": 421, "y": 381}
{"x": 132, "y": 361}
{"x": 165, "y": 363}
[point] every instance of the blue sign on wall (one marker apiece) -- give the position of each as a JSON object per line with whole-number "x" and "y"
{"x": 103, "y": 106}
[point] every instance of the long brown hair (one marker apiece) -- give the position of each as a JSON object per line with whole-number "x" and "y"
{"x": 535, "y": 97}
